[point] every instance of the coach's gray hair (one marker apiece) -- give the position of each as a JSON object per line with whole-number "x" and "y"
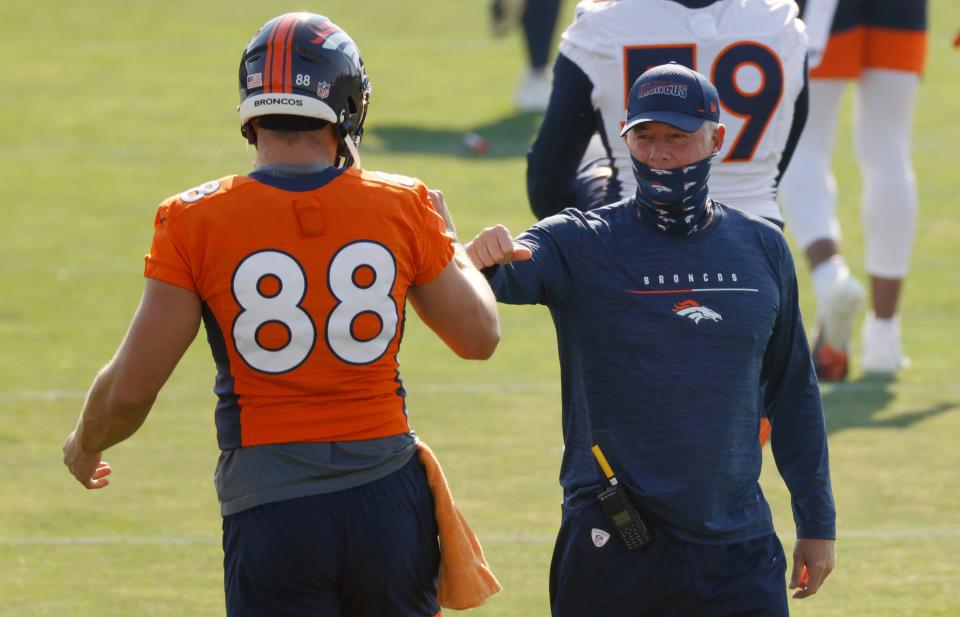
{"x": 709, "y": 129}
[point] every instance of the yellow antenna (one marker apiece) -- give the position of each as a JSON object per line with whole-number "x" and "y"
{"x": 604, "y": 465}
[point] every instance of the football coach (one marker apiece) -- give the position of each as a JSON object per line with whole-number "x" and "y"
{"x": 678, "y": 328}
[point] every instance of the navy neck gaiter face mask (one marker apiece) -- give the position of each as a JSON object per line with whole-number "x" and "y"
{"x": 676, "y": 197}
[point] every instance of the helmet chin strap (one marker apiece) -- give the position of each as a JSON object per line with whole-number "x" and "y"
{"x": 353, "y": 156}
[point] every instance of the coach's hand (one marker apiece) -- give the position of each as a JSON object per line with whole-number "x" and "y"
{"x": 495, "y": 245}
{"x": 88, "y": 469}
{"x": 812, "y": 563}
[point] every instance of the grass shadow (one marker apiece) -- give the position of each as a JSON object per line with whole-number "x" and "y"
{"x": 509, "y": 136}
{"x": 858, "y": 404}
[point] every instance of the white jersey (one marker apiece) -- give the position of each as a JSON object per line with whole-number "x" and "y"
{"x": 752, "y": 50}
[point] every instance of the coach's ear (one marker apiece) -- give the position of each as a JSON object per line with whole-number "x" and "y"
{"x": 718, "y": 137}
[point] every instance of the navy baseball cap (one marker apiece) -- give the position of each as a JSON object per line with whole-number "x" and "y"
{"x": 672, "y": 94}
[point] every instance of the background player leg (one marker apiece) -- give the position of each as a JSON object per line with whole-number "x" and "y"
{"x": 808, "y": 193}
{"x": 539, "y": 22}
{"x": 885, "y": 103}
{"x": 504, "y": 15}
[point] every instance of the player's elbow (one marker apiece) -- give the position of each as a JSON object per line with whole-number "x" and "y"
{"x": 481, "y": 339}
{"x": 460, "y": 308}
{"x": 481, "y": 348}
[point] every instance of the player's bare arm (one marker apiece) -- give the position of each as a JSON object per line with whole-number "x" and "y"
{"x": 495, "y": 246}
{"x": 439, "y": 203}
{"x": 458, "y": 304}
{"x": 813, "y": 561}
{"x": 122, "y": 394}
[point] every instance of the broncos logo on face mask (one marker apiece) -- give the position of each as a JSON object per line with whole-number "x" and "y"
{"x": 695, "y": 311}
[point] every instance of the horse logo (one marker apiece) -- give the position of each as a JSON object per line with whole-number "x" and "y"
{"x": 695, "y": 311}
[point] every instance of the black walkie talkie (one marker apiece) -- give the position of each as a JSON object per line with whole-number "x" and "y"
{"x": 617, "y": 505}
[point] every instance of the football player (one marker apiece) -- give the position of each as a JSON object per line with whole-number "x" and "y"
{"x": 301, "y": 271}
{"x": 880, "y": 45}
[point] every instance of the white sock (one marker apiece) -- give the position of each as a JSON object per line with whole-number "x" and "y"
{"x": 889, "y": 326}
{"x": 825, "y": 275}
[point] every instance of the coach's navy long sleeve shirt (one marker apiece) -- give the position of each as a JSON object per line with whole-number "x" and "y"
{"x": 671, "y": 350}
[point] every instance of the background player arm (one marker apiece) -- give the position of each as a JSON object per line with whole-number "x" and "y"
{"x": 122, "y": 394}
{"x": 458, "y": 304}
{"x": 818, "y": 16}
{"x": 568, "y": 124}
{"x": 801, "y": 110}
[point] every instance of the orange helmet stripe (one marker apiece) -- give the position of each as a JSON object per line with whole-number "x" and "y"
{"x": 267, "y": 81}
{"x": 273, "y": 65}
{"x": 288, "y": 58}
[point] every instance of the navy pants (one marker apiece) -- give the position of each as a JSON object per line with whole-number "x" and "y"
{"x": 369, "y": 551}
{"x": 539, "y": 22}
{"x": 597, "y": 576}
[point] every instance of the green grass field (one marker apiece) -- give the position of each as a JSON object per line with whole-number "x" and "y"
{"x": 111, "y": 106}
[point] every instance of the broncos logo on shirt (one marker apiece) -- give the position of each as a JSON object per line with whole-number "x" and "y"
{"x": 695, "y": 311}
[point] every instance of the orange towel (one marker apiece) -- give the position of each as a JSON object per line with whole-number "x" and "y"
{"x": 466, "y": 580}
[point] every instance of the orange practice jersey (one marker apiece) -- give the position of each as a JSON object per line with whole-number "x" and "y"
{"x": 303, "y": 297}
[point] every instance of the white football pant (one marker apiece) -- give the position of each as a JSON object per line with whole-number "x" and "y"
{"x": 883, "y": 116}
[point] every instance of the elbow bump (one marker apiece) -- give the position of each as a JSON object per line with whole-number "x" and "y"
{"x": 493, "y": 340}
{"x": 478, "y": 351}
{"x": 480, "y": 346}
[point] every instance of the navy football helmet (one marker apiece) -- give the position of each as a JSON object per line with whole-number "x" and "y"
{"x": 299, "y": 71}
